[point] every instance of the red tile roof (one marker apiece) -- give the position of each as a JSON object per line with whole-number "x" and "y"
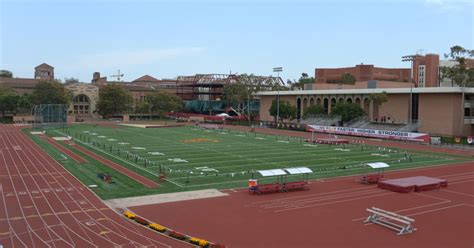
{"x": 146, "y": 78}
{"x": 44, "y": 65}
{"x": 18, "y": 82}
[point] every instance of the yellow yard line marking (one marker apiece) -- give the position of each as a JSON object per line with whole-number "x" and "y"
{"x": 4, "y": 233}
{"x": 104, "y": 232}
{"x": 28, "y": 206}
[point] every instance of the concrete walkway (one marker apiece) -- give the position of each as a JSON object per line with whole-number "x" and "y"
{"x": 162, "y": 198}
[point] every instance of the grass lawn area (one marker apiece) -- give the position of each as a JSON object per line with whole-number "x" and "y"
{"x": 195, "y": 158}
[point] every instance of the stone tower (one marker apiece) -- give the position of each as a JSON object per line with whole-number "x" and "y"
{"x": 44, "y": 71}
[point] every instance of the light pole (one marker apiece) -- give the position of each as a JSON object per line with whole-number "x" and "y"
{"x": 278, "y": 70}
{"x": 410, "y": 58}
{"x": 248, "y": 105}
{"x": 149, "y": 108}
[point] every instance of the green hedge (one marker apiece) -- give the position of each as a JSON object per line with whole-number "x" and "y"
{"x": 452, "y": 140}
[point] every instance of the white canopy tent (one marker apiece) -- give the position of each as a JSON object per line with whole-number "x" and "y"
{"x": 378, "y": 165}
{"x": 274, "y": 172}
{"x": 299, "y": 170}
{"x": 374, "y": 177}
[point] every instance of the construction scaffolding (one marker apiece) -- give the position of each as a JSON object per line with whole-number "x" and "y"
{"x": 204, "y": 93}
{"x": 210, "y": 87}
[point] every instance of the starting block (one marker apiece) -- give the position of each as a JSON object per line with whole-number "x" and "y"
{"x": 396, "y": 222}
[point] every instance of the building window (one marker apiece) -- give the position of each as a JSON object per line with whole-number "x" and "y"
{"x": 421, "y": 76}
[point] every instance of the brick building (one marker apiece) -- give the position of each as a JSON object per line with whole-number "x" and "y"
{"x": 362, "y": 73}
{"x": 84, "y": 96}
{"x": 424, "y": 72}
{"x": 437, "y": 110}
{"x": 414, "y": 95}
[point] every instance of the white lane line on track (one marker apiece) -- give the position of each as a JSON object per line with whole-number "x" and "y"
{"x": 29, "y": 159}
{"x": 460, "y": 182}
{"x": 115, "y": 224}
{"x": 408, "y": 209}
{"x": 318, "y": 199}
{"x": 309, "y": 195}
{"x": 328, "y": 203}
{"x": 459, "y": 193}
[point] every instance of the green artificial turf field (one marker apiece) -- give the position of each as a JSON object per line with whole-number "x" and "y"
{"x": 194, "y": 158}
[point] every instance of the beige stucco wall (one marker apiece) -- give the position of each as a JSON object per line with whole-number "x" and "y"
{"x": 396, "y": 108}
{"x": 266, "y": 103}
{"x": 441, "y": 115}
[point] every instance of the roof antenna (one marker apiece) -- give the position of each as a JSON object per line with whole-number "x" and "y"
{"x": 118, "y": 76}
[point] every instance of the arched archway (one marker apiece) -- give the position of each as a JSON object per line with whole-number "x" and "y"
{"x": 333, "y": 103}
{"x": 367, "y": 106}
{"x": 81, "y": 104}
{"x": 340, "y": 99}
{"x": 357, "y": 101}
{"x": 311, "y": 101}
{"x": 349, "y": 100}
{"x": 326, "y": 105}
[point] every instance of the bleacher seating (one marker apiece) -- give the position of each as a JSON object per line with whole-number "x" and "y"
{"x": 371, "y": 178}
{"x": 404, "y": 127}
{"x": 267, "y": 188}
{"x": 294, "y": 186}
{"x": 321, "y": 120}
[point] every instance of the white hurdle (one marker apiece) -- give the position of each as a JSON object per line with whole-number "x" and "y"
{"x": 389, "y": 219}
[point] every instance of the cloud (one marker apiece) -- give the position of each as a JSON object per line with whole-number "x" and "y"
{"x": 450, "y": 4}
{"x": 138, "y": 57}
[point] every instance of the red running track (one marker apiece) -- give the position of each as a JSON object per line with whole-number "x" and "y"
{"x": 42, "y": 205}
{"x": 68, "y": 152}
{"x": 135, "y": 176}
{"x": 330, "y": 214}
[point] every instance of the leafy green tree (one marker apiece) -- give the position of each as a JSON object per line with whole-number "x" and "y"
{"x": 6, "y": 73}
{"x": 236, "y": 93}
{"x": 302, "y": 81}
{"x": 25, "y": 102}
{"x": 8, "y": 100}
{"x": 51, "y": 92}
{"x": 71, "y": 80}
{"x": 162, "y": 102}
{"x": 459, "y": 74}
{"x": 240, "y": 92}
{"x": 113, "y": 99}
{"x": 347, "y": 78}
{"x": 379, "y": 98}
{"x": 313, "y": 110}
{"x": 286, "y": 110}
{"x": 347, "y": 111}
{"x": 142, "y": 107}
